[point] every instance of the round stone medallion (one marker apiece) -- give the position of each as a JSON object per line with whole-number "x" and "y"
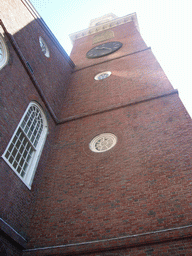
{"x": 103, "y": 142}
{"x": 102, "y": 75}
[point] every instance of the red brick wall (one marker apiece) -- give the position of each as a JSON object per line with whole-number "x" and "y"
{"x": 141, "y": 185}
{"x": 134, "y": 78}
{"x": 17, "y": 91}
{"x": 51, "y": 73}
{"x": 182, "y": 248}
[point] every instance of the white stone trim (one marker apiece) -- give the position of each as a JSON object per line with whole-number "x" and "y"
{"x": 104, "y": 26}
{"x": 103, "y": 19}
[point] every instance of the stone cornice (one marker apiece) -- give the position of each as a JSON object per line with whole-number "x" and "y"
{"x": 104, "y": 26}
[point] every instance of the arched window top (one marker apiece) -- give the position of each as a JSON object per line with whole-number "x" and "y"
{"x": 3, "y": 53}
{"x": 23, "y": 151}
{"x": 32, "y": 124}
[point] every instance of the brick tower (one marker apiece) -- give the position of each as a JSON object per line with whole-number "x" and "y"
{"x": 122, "y": 157}
{"x": 115, "y": 176}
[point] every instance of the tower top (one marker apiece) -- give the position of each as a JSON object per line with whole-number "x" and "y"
{"x": 103, "y": 23}
{"x": 103, "y": 19}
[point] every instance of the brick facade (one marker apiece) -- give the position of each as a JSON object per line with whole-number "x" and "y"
{"x": 134, "y": 199}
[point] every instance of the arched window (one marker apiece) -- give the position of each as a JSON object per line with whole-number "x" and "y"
{"x": 3, "y": 53}
{"x": 23, "y": 151}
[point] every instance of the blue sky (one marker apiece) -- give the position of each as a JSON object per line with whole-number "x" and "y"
{"x": 165, "y": 25}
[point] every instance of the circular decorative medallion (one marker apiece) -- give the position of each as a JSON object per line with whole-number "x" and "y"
{"x": 103, "y": 142}
{"x": 3, "y": 53}
{"x": 44, "y": 47}
{"x": 103, "y": 50}
{"x": 102, "y": 75}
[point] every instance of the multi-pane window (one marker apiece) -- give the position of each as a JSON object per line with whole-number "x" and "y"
{"x": 22, "y": 153}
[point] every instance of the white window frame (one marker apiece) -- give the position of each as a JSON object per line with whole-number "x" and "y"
{"x": 37, "y": 150}
{"x": 5, "y": 54}
{"x": 44, "y": 47}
